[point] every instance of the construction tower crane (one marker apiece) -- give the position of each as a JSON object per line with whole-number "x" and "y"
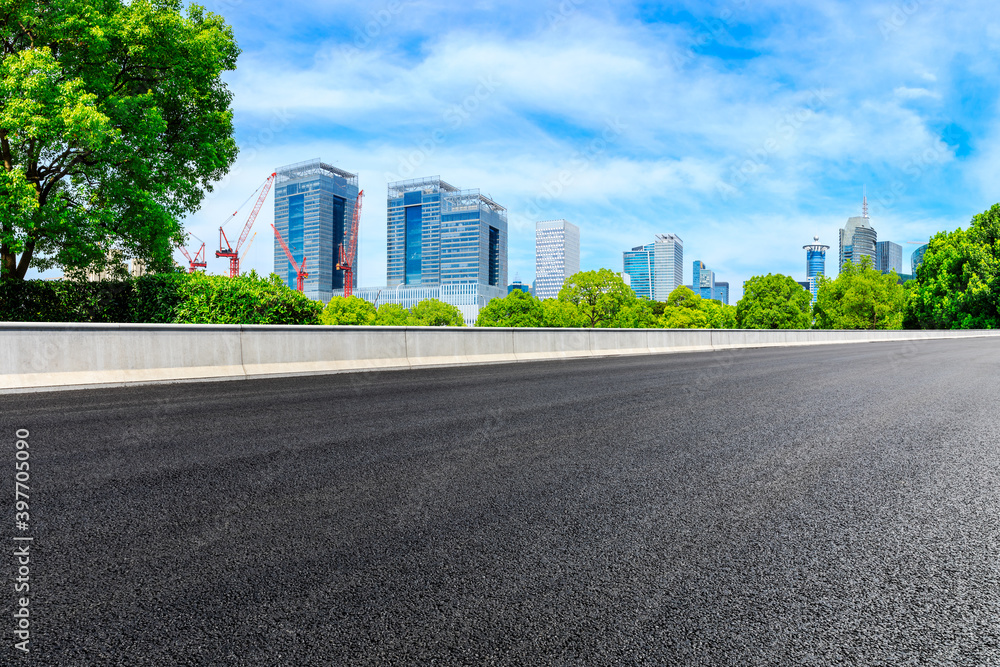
{"x": 300, "y": 271}
{"x": 349, "y": 257}
{"x": 225, "y": 250}
{"x": 199, "y": 257}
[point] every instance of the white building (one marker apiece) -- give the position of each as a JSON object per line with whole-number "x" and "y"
{"x": 557, "y": 256}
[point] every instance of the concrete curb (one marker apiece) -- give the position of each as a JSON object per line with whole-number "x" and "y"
{"x": 45, "y": 357}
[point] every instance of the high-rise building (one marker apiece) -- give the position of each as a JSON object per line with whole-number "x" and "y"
{"x": 703, "y": 283}
{"x": 722, "y": 289}
{"x": 917, "y": 258}
{"x": 313, "y": 208}
{"x": 440, "y": 235}
{"x": 888, "y": 257}
{"x": 858, "y": 238}
{"x": 815, "y": 264}
{"x": 443, "y": 243}
{"x": 557, "y": 256}
{"x": 657, "y": 269}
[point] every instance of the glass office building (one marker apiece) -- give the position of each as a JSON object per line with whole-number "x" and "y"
{"x": 657, "y": 269}
{"x": 815, "y": 264}
{"x": 703, "y": 283}
{"x": 557, "y": 256}
{"x": 440, "y": 235}
{"x": 917, "y": 258}
{"x": 888, "y": 257}
{"x": 858, "y": 239}
{"x": 313, "y": 211}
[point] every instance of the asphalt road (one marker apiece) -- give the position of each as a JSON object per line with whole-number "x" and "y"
{"x": 834, "y": 505}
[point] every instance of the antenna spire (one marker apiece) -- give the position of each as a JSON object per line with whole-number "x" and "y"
{"x": 864, "y": 205}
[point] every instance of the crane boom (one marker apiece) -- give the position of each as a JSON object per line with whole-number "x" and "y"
{"x": 225, "y": 250}
{"x": 349, "y": 257}
{"x": 300, "y": 271}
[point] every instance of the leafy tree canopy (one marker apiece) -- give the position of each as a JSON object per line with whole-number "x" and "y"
{"x": 559, "y": 314}
{"x": 599, "y": 296}
{"x": 686, "y": 310}
{"x": 773, "y": 301}
{"x": 435, "y": 313}
{"x": 860, "y": 298}
{"x": 517, "y": 309}
{"x": 392, "y": 315}
{"x": 113, "y": 122}
{"x": 349, "y": 310}
{"x": 958, "y": 283}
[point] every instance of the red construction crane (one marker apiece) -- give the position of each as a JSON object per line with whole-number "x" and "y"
{"x": 349, "y": 257}
{"x": 199, "y": 257}
{"x": 225, "y": 250}
{"x": 300, "y": 271}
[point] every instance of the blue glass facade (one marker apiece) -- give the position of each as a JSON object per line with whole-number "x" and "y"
{"x": 440, "y": 235}
{"x": 313, "y": 210}
{"x": 917, "y": 258}
{"x": 639, "y": 267}
{"x": 703, "y": 283}
{"x": 815, "y": 265}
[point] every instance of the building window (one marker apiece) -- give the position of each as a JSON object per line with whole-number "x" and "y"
{"x": 296, "y": 233}
{"x": 414, "y": 242}
{"x": 494, "y": 256}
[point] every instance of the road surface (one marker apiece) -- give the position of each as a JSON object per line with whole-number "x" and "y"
{"x": 831, "y": 505}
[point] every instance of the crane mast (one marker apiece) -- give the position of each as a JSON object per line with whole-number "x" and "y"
{"x": 225, "y": 249}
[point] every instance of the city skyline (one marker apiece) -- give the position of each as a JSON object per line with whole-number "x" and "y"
{"x": 566, "y": 111}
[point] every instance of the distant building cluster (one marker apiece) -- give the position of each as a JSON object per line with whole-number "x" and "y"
{"x": 451, "y": 244}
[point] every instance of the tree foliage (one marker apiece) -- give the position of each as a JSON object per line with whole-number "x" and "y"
{"x": 860, "y": 298}
{"x": 113, "y": 122}
{"x": 599, "y": 296}
{"x": 773, "y": 301}
{"x": 435, "y": 313}
{"x": 158, "y": 299}
{"x": 517, "y": 309}
{"x": 958, "y": 283}
{"x": 245, "y": 299}
{"x": 558, "y": 314}
{"x": 686, "y": 310}
{"x": 392, "y": 315}
{"x": 349, "y": 310}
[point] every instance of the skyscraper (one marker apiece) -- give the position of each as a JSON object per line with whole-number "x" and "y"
{"x": 656, "y": 269}
{"x": 917, "y": 258}
{"x": 557, "y": 256}
{"x": 313, "y": 207}
{"x": 858, "y": 238}
{"x": 703, "y": 283}
{"x": 815, "y": 264}
{"x": 888, "y": 257}
{"x": 440, "y": 235}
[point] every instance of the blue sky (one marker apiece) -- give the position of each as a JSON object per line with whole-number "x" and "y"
{"x": 746, "y": 128}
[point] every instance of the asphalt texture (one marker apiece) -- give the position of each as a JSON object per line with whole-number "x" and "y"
{"x": 833, "y": 505}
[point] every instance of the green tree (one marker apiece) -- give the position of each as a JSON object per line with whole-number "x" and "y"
{"x": 245, "y": 299}
{"x": 636, "y": 314}
{"x": 561, "y": 315}
{"x": 773, "y": 301}
{"x": 683, "y": 310}
{"x": 517, "y": 309}
{"x": 599, "y": 295}
{"x": 720, "y": 315}
{"x": 860, "y": 298}
{"x": 114, "y": 120}
{"x": 350, "y": 310}
{"x": 958, "y": 283}
{"x": 392, "y": 315}
{"x": 436, "y": 313}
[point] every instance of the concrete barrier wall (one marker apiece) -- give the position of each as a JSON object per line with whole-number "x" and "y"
{"x": 58, "y": 356}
